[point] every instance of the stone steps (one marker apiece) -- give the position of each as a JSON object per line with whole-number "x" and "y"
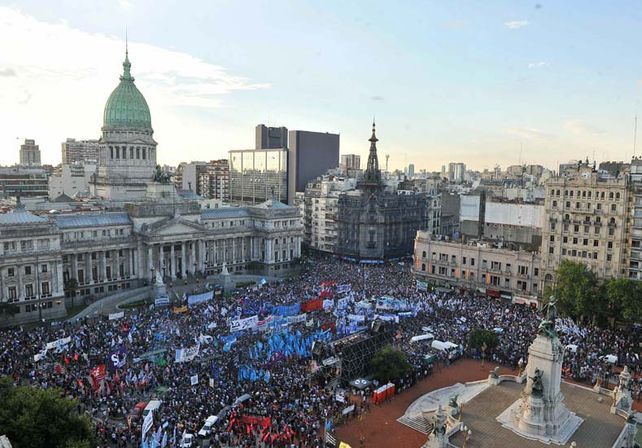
{"x": 417, "y": 424}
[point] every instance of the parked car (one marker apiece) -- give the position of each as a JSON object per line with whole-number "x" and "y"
{"x": 206, "y": 430}
{"x": 187, "y": 441}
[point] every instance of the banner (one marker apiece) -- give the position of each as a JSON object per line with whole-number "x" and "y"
{"x": 249, "y": 323}
{"x": 312, "y": 305}
{"x": 296, "y": 319}
{"x": 59, "y": 344}
{"x": 342, "y": 289}
{"x": 193, "y": 380}
{"x": 348, "y": 410}
{"x": 328, "y": 304}
{"x": 180, "y": 309}
{"x": 342, "y": 303}
{"x": 287, "y": 310}
{"x": 422, "y": 286}
{"x": 200, "y": 298}
{"x": 147, "y": 423}
{"x": 186, "y": 354}
{"x": 118, "y": 358}
{"x": 114, "y": 316}
{"x": 357, "y": 317}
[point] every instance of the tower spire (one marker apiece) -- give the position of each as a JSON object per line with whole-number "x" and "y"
{"x": 127, "y": 76}
{"x": 373, "y": 175}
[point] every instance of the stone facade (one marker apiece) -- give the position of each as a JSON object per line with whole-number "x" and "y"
{"x": 585, "y": 220}
{"x": 498, "y": 272}
{"x": 111, "y": 251}
{"x": 374, "y": 223}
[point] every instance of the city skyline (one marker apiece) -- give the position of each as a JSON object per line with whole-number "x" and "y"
{"x": 460, "y": 84}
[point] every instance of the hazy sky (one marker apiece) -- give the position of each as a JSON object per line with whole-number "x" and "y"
{"x": 447, "y": 81}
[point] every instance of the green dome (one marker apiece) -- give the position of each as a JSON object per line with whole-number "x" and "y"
{"x": 126, "y": 106}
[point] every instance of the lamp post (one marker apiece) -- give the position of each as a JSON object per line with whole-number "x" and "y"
{"x": 467, "y": 437}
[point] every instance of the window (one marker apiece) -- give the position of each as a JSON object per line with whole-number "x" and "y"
{"x": 472, "y": 261}
{"x": 536, "y": 271}
{"x": 613, "y": 207}
{"x": 29, "y": 290}
{"x": 144, "y": 153}
{"x": 552, "y": 238}
{"x": 12, "y": 293}
{"x": 551, "y": 250}
{"x": 11, "y": 272}
{"x": 576, "y": 228}
{"x": 423, "y": 267}
{"x": 463, "y": 260}
{"x": 609, "y": 245}
{"x": 27, "y": 270}
{"x": 565, "y": 240}
{"x": 45, "y": 288}
{"x": 608, "y": 257}
{"x": 596, "y": 243}
{"x": 585, "y": 241}
{"x": 423, "y": 254}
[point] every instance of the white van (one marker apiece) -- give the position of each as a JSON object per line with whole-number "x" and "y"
{"x": 422, "y": 337}
{"x": 152, "y": 406}
{"x": 206, "y": 430}
{"x": 453, "y": 350}
{"x": 187, "y": 441}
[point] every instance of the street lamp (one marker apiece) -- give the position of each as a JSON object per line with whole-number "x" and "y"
{"x": 467, "y": 437}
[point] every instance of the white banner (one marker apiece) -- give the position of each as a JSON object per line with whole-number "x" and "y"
{"x": 187, "y": 354}
{"x": 249, "y": 323}
{"x": 59, "y": 345}
{"x": 114, "y": 316}
{"x": 296, "y": 319}
{"x": 147, "y": 423}
{"x": 348, "y": 410}
{"x": 193, "y": 380}
{"x": 422, "y": 286}
{"x": 328, "y": 304}
{"x": 357, "y": 317}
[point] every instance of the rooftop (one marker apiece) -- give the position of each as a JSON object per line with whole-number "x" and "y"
{"x": 91, "y": 220}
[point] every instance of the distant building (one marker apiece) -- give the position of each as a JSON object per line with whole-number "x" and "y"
{"x": 374, "y": 223}
{"x": 29, "y": 153}
{"x": 311, "y": 154}
{"x": 271, "y": 138}
{"x": 214, "y": 181}
{"x": 72, "y": 179}
{"x": 411, "y": 170}
{"x": 23, "y": 181}
{"x": 190, "y": 174}
{"x": 449, "y": 214}
{"x": 456, "y": 172}
{"x": 350, "y": 162}
{"x": 80, "y": 151}
{"x": 634, "y": 226}
{"x": 257, "y": 175}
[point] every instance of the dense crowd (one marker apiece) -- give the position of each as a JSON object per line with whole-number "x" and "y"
{"x": 286, "y": 404}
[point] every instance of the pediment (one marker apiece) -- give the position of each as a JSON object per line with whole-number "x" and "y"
{"x": 177, "y": 227}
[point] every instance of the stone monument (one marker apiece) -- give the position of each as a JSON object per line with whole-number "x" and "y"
{"x": 622, "y": 393}
{"x": 227, "y": 279}
{"x": 438, "y": 438}
{"x": 159, "y": 287}
{"x": 541, "y": 414}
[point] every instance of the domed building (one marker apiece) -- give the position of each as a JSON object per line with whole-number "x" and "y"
{"x": 127, "y": 154}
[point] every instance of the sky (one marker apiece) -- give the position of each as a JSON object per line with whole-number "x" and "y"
{"x": 484, "y": 83}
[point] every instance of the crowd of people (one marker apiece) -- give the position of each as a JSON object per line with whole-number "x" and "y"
{"x": 262, "y": 393}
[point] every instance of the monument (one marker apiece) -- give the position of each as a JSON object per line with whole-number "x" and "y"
{"x": 622, "y": 400}
{"x": 438, "y": 438}
{"x": 159, "y": 287}
{"x": 227, "y": 279}
{"x": 540, "y": 414}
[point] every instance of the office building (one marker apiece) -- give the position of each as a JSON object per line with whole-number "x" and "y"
{"x": 30, "y": 153}
{"x": 257, "y": 175}
{"x": 214, "y": 181}
{"x": 585, "y": 220}
{"x": 411, "y": 170}
{"x": 23, "y": 181}
{"x": 311, "y": 154}
{"x": 71, "y": 180}
{"x": 350, "y": 162}
{"x": 80, "y": 151}
{"x": 271, "y": 138}
{"x": 456, "y": 172}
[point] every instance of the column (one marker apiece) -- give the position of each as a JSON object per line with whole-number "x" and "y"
{"x": 130, "y": 257}
{"x": 243, "y": 255}
{"x": 74, "y": 267}
{"x": 234, "y": 250}
{"x": 150, "y": 263}
{"x": 172, "y": 262}
{"x": 161, "y": 260}
{"x": 103, "y": 267}
{"x": 184, "y": 267}
{"x": 201, "y": 255}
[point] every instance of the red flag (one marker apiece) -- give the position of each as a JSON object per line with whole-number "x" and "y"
{"x": 75, "y": 356}
{"x": 58, "y": 368}
{"x": 64, "y": 358}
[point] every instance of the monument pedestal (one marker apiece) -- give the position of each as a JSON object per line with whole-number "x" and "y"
{"x": 541, "y": 414}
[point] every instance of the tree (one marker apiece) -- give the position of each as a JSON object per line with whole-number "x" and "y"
{"x": 71, "y": 286}
{"x": 389, "y": 364}
{"x": 624, "y": 299}
{"x": 576, "y": 290}
{"x": 478, "y": 337}
{"x": 40, "y": 418}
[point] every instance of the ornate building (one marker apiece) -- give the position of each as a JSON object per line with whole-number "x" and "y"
{"x": 109, "y": 252}
{"x": 374, "y": 223}
{"x": 127, "y": 150}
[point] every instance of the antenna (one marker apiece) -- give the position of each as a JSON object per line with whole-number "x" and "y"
{"x": 635, "y": 133}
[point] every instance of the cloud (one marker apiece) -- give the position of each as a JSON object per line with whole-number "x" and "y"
{"x": 125, "y": 4}
{"x": 7, "y": 72}
{"x": 529, "y": 133}
{"x": 66, "y": 75}
{"x": 537, "y": 64}
{"x": 516, "y": 24}
{"x": 376, "y": 98}
{"x": 582, "y": 128}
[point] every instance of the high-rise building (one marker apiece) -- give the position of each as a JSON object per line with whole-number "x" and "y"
{"x": 257, "y": 175}
{"x": 634, "y": 230}
{"x": 214, "y": 181}
{"x": 80, "y": 151}
{"x": 23, "y": 181}
{"x": 411, "y": 170}
{"x": 310, "y": 155}
{"x": 270, "y": 137}
{"x": 585, "y": 220}
{"x": 456, "y": 172}
{"x": 190, "y": 174}
{"x": 29, "y": 153}
{"x": 350, "y": 162}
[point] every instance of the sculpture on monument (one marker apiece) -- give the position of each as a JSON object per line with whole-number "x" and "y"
{"x": 438, "y": 438}
{"x": 541, "y": 414}
{"x": 622, "y": 399}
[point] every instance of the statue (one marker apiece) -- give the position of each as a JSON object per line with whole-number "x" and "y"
{"x": 547, "y": 326}
{"x": 159, "y": 278}
{"x": 537, "y": 388}
{"x": 453, "y": 401}
{"x": 160, "y": 176}
{"x": 440, "y": 422}
{"x": 494, "y": 373}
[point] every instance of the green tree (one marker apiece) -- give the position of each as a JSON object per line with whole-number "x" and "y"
{"x": 389, "y": 364}
{"x": 624, "y": 299}
{"x": 39, "y": 418}
{"x": 478, "y": 337}
{"x": 577, "y": 291}
{"x": 70, "y": 287}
